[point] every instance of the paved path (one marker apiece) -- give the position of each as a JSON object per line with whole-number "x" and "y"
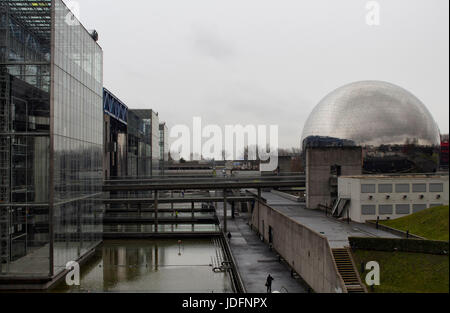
{"x": 255, "y": 261}
{"x": 336, "y": 231}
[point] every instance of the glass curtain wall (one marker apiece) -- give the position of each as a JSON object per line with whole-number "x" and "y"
{"x": 134, "y": 137}
{"x": 155, "y": 154}
{"x": 163, "y": 147}
{"x": 77, "y": 139}
{"x": 25, "y": 53}
{"x": 50, "y": 151}
{"x": 141, "y": 136}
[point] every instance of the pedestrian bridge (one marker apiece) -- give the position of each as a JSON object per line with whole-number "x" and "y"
{"x": 181, "y": 204}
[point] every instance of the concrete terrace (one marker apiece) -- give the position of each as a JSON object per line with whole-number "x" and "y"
{"x": 337, "y": 232}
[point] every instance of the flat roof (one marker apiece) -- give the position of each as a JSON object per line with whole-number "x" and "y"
{"x": 36, "y": 17}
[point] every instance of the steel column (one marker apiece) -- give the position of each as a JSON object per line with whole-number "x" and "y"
{"x": 156, "y": 211}
{"x": 224, "y": 210}
{"x": 259, "y": 201}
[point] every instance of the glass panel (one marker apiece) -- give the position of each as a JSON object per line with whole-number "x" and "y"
{"x": 385, "y": 188}
{"x": 24, "y": 138}
{"x": 368, "y": 209}
{"x": 419, "y": 188}
{"x": 368, "y": 188}
{"x": 402, "y": 188}
{"x": 419, "y": 207}
{"x": 385, "y": 209}
{"x": 78, "y": 141}
{"x": 402, "y": 209}
{"x": 436, "y": 187}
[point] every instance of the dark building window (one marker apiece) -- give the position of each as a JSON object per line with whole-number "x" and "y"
{"x": 436, "y": 187}
{"x": 368, "y": 209}
{"x": 385, "y": 188}
{"x": 368, "y": 188}
{"x": 419, "y": 188}
{"x": 419, "y": 207}
{"x": 402, "y": 188}
{"x": 402, "y": 209}
{"x": 386, "y": 209}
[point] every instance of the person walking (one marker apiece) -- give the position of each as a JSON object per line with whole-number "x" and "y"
{"x": 269, "y": 283}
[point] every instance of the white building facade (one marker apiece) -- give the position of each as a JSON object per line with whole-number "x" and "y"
{"x": 368, "y": 197}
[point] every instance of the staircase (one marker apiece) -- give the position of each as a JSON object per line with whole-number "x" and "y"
{"x": 339, "y": 206}
{"x": 347, "y": 270}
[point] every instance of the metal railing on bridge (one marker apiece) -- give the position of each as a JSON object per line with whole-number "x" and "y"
{"x": 203, "y": 183}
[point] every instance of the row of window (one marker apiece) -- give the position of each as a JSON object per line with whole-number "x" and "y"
{"x": 402, "y": 188}
{"x": 400, "y": 209}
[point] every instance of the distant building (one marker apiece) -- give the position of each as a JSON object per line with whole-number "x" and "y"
{"x": 289, "y": 163}
{"x": 143, "y": 143}
{"x": 131, "y": 140}
{"x": 369, "y": 197}
{"x": 115, "y": 136}
{"x": 444, "y": 152}
{"x": 163, "y": 147}
{"x": 323, "y": 166}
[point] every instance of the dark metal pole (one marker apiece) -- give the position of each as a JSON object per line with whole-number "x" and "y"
{"x": 171, "y": 205}
{"x": 156, "y": 257}
{"x": 192, "y": 208}
{"x": 224, "y": 210}
{"x": 156, "y": 211}
{"x": 259, "y": 200}
{"x": 232, "y": 210}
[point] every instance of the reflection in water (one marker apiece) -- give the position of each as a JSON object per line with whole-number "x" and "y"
{"x": 152, "y": 266}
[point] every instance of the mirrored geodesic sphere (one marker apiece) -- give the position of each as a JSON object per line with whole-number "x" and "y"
{"x": 394, "y": 128}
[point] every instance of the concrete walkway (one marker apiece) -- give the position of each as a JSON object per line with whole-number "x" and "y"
{"x": 337, "y": 232}
{"x": 255, "y": 260}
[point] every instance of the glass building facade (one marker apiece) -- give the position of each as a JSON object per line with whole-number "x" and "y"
{"x": 51, "y": 139}
{"x": 163, "y": 147}
{"x": 143, "y": 143}
{"x": 115, "y": 136}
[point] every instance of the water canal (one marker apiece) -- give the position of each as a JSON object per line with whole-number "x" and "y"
{"x": 161, "y": 265}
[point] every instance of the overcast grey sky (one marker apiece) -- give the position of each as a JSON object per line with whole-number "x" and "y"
{"x": 266, "y": 61}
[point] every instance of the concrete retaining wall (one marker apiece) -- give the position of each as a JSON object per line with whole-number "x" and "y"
{"x": 306, "y": 251}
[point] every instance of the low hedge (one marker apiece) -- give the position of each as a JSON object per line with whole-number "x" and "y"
{"x": 397, "y": 244}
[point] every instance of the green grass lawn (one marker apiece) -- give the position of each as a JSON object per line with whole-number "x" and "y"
{"x": 431, "y": 223}
{"x": 404, "y": 272}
